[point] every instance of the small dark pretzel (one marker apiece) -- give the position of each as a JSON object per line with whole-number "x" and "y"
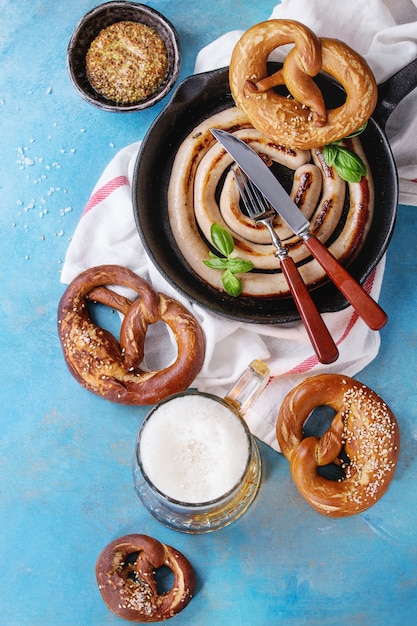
{"x": 112, "y": 369}
{"x": 300, "y": 121}
{"x": 364, "y": 428}
{"x": 125, "y": 572}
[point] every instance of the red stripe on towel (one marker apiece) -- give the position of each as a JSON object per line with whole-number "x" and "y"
{"x": 105, "y": 191}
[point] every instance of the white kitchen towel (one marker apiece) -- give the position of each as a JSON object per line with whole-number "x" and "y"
{"x": 106, "y": 233}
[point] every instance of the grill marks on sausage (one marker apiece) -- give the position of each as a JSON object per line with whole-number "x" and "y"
{"x": 201, "y": 192}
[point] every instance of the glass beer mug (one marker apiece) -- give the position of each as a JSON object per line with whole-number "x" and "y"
{"x": 196, "y": 466}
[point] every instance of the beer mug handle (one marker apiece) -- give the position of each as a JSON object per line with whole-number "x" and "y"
{"x": 248, "y": 387}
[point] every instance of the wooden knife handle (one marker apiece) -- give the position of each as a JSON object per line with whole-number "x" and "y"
{"x": 365, "y": 306}
{"x": 319, "y": 335}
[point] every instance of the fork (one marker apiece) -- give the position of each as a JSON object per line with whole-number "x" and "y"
{"x": 259, "y": 210}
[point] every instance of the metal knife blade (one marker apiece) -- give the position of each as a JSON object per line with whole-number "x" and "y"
{"x": 255, "y": 169}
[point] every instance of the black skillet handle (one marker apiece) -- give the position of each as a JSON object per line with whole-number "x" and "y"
{"x": 393, "y": 90}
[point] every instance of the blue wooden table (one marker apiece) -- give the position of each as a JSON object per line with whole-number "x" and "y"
{"x": 66, "y": 488}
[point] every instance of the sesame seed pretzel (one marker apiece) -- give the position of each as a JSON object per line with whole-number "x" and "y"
{"x": 112, "y": 369}
{"x": 364, "y": 429}
{"x": 300, "y": 121}
{"x": 125, "y": 572}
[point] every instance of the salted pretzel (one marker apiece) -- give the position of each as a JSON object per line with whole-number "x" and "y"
{"x": 300, "y": 121}
{"x": 363, "y": 439}
{"x": 112, "y": 369}
{"x": 125, "y": 572}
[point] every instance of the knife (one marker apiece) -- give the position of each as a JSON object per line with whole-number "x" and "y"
{"x": 255, "y": 169}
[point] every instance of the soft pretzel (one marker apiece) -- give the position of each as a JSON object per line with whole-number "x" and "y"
{"x": 303, "y": 120}
{"x": 112, "y": 369}
{"x": 125, "y": 572}
{"x": 364, "y": 429}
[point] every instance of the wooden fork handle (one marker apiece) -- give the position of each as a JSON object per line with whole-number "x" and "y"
{"x": 364, "y": 305}
{"x": 319, "y": 335}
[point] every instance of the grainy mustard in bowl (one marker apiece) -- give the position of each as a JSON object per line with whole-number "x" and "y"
{"x": 123, "y": 56}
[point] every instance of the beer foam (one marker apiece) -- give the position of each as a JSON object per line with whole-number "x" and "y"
{"x": 194, "y": 449}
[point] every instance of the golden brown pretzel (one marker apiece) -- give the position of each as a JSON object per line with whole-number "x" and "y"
{"x": 364, "y": 427}
{"x": 125, "y": 572}
{"x": 112, "y": 369}
{"x": 301, "y": 121}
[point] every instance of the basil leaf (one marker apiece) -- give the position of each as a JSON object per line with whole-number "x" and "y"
{"x": 239, "y": 266}
{"x": 216, "y": 263}
{"x": 347, "y": 164}
{"x": 224, "y": 242}
{"x": 232, "y": 285}
{"x": 348, "y": 175}
{"x": 222, "y": 239}
{"x": 329, "y": 153}
{"x": 348, "y": 159}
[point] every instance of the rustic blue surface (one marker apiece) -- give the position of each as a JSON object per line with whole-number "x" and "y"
{"x": 66, "y": 488}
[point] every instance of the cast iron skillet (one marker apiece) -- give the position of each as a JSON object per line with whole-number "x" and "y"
{"x": 199, "y": 97}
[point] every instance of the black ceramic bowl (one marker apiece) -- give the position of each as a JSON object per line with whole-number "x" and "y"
{"x": 89, "y": 27}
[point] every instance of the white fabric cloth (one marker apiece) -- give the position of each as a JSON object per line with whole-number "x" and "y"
{"x": 106, "y": 233}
